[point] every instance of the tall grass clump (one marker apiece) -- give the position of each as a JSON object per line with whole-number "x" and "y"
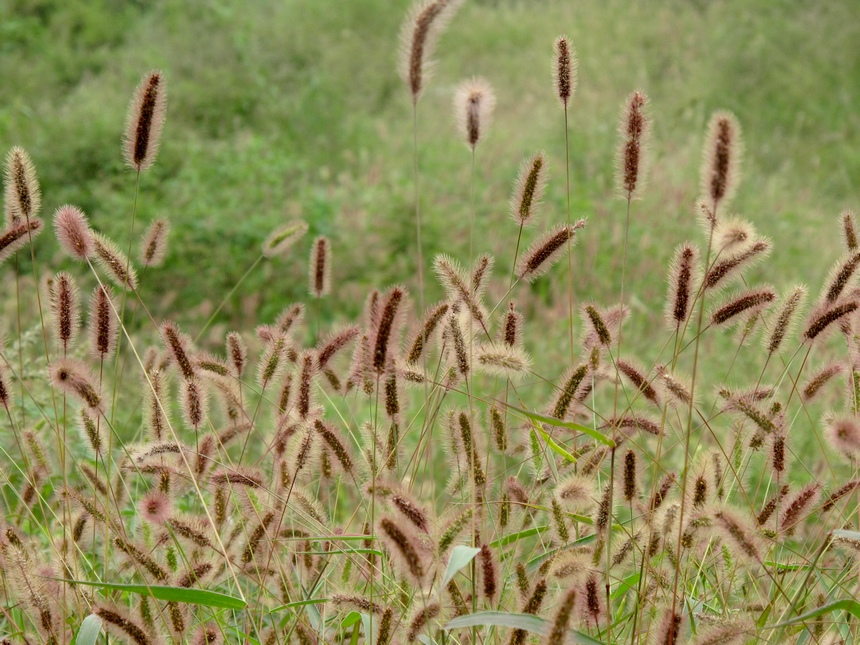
{"x": 431, "y": 472}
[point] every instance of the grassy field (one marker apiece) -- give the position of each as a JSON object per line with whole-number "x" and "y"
{"x": 295, "y": 108}
{"x": 305, "y": 477}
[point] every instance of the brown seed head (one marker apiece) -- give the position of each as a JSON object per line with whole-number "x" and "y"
{"x": 781, "y": 324}
{"x": 682, "y": 284}
{"x": 634, "y": 127}
{"x": 153, "y": 244}
{"x": 746, "y": 303}
{"x": 114, "y": 262}
{"x": 320, "y": 267}
{"x": 73, "y": 232}
{"x": 418, "y": 36}
{"x": 104, "y": 330}
{"x": 474, "y": 101}
{"x": 23, "y": 197}
{"x": 17, "y": 236}
{"x": 849, "y": 230}
{"x": 528, "y": 189}
{"x": 721, "y": 158}
{"x": 73, "y": 377}
{"x": 65, "y": 309}
{"x": 387, "y": 328}
{"x": 564, "y": 66}
{"x": 546, "y": 251}
{"x": 145, "y": 121}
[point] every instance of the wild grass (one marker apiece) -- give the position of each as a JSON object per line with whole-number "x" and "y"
{"x": 445, "y": 465}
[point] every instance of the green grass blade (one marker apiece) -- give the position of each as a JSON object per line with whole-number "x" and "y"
{"x": 513, "y": 537}
{"x": 172, "y": 594}
{"x": 570, "y": 425}
{"x": 516, "y": 621}
{"x": 847, "y": 604}
{"x": 89, "y": 631}
{"x": 460, "y": 557}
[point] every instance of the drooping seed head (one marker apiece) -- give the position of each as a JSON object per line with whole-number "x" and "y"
{"x": 18, "y": 236}
{"x": 114, "y": 262}
{"x": 634, "y": 127}
{"x": 74, "y": 378}
{"x": 728, "y": 268}
{"x": 474, "y": 101}
{"x": 103, "y": 328}
{"x": 781, "y": 323}
{"x": 721, "y": 158}
{"x": 821, "y": 319}
{"x": 544, "y": 252}
{"x": 319, "y": 269}
{"x": 73, "y": 232}
{"x": 283, "y": 238}
{"x": 636, "y": 375}
{"x": 817, "y": 381}
{"x": 529, "y": 189}
{"x": 745, "y": 303}
{"x": 418, "y": 37}
{"x": 145, "y": 121}
{"x": 405, "y": 550}
{"x": 798, "y": 507}
{"x": 508, "y": 362}
{"x": 334, "y": 342}
{"x": 153, "y": 244}
{"x": 738, "y": 534}
{"x": 564, "y": 68}
{"x": 23, "y": 197}
{"x": 122, "y": 626}
{"x": 425, "y": 333}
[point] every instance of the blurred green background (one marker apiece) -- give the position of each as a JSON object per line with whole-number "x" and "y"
{"x": 294, "y": 108}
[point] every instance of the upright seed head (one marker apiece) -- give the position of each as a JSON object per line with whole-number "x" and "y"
{"x": 849, "y": 230}
{"x": 104, "y": 330}
{"x": 682, "y": 285}
{"x": 307, "y": 366}
{"x": 387, "y": 328}
{"x": 488, "y": 573}
{"x": 630, "y": 481}
{"x": 73, "y": 232}
{"x": 558, "y": 633}
{"x": 564, "y": 66}
{"x": 777, "y": 455}
{"x": 418, "y": 38}
{"x": 65, "y": 309}
{"x": 320, "y": 267}
{"x": 194, "y": 402}
{"x": 145, "y": 121}
{"x": 23, "y": 197}
{"x": 237, "y": 353}
{"x": 528, "y": 189}
{"x": 153, "y": 244}
{"x": 511, "y": 331}
{"x": 634, "y": 127}
{"x": 474, "y": 101}
{"x": 721, "y": 158}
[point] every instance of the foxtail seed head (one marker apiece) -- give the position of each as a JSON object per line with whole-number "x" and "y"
{"x": 474, "y": 101}
{"x": 153, "y": 244}
{"x": 721, "y": 158}
{"x": 564, "y": 68}
{"x": 145, "y": 121}
{"x": 73, "y": 232}
{"x": 23, "y": 197}
{"x": 634, "y": 127}
{"x": 418, "y": 38}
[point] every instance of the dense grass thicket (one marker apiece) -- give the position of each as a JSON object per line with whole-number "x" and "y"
{"x": 516, "y": 351}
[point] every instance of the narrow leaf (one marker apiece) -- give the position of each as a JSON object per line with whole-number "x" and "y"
{"x": 847, "y": 604}
{"x": 516, "y": 621}
{"x": 172, "y": 594}
{"x": 88, "y": 632}
{"x": 513, "y": 537}
{"x": 570, "y": 425}
{"x": 460, "y": 557}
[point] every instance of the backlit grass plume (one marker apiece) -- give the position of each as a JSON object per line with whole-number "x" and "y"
{"x": 564, "y": 70}
{"x": 22, "y": 197}
{"x": 528, "y": 189}
{"x": 544, "y": 252}
{"x": 418, "y": 37}
{"x": 634, "y": 127}
{"x": 721, "y": 158}
{"x": 145, "y": 120}
{"x": 474, "y": 101}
